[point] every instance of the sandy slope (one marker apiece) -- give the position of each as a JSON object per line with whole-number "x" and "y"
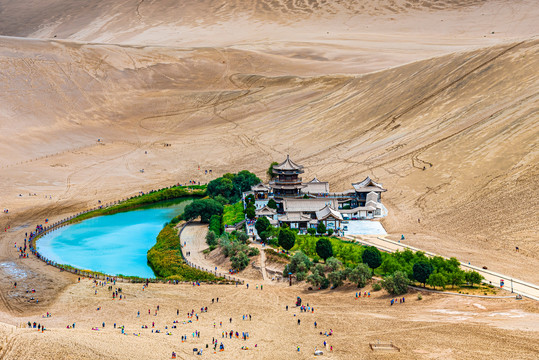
{"x": 447, "y": 111}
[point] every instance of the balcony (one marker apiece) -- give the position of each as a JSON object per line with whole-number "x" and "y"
{"x": 286, "y": 181}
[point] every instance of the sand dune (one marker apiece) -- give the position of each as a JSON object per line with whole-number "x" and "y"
{"x": 438, "y": 100}
{"x": 451, "y": 112}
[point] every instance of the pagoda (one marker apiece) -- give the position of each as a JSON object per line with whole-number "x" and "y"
{"x": 287, "y": 182}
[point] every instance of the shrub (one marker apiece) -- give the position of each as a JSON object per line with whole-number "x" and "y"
{"x": 298, "y": 263}
{"x": 333, "y": 264}
{"x": 324, "y": 284}
{"x": 376, "y": 287}
{"x": 253, "y": 252}
{"x": 336, "y": 278}
{"x": 211, "y": 238}
{"x": 311, "y": 231}
{"x": 240, "y": 260}
{"x": 215, "y": 224}
{"x": 419, "y": 297}
{"x": 330, "y": 232}
{"x": 301, "y": 276}
{"x": 360, "y": 275}
{"x": 321, "y": 228}
{"x": 242, "y": 237}
{"x": 396, "y": 284}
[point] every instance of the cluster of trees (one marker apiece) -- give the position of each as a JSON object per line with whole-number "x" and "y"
{"x": 331, "y": 272}
{"x": 320, "y": 230}
{"x": 231, "y": 186}
{"x": 433, "y": 271}
{"x": 234, "y": 246}
{"x": 348, "y": 261}
{"x": 205, "y": 208}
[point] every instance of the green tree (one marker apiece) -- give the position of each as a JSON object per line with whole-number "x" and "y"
{"x": 473, "y": 277}
{"x": 372, "y": 257}
{"x": 250, "y": 199}
{"x": 330, "y": 232}
{"x": 211, "y": 238}
{"x": 324, "y": 248}
{"x": 455, "y": 278}
{"x": 396, "y": 284}
{"x": 270, "y": 172}
{"x": 287, "y": 239}
{"x": 360, "y": 275}
{"x": 311, "y": 231}
{"x": 422, "y": 271}
{"x": 239, "y": 261}
{"x": 244, "y": 181}
{"x": 204, "y": 208}
{"x": 437, "y": 279}
{"x": 321, "y": 228}
{"x": 250, "y": 212}
{"x": 318, "y": 276}
{"x": 298, "y": 263}
{"x": 261, "y": 224}
{"x": 220, "y": 198}
{"x": 220, "y": 186}
{"x": 272, "y": 204}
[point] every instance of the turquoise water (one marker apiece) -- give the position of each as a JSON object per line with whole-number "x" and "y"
{"x": 112, "y": 244}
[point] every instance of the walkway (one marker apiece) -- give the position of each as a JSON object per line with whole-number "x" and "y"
{"x": 193, "y": 240}
{"x": 517, "y": 286}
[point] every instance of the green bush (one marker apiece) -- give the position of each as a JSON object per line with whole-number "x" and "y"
{"x": 211, "y": 238}
{"x": 321, "y": 228}
{"x": 239, "y": 261}
{"x": 360, "y": 275}
{"x": 311, "y": 231}
{"x": 396, "y": 284}
{"x": 216, "y": 225}
{"x": 253, "y": 252}
{"x": 376, "y": 287}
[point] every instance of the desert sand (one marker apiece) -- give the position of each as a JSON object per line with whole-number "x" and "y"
{"x": 437, "y": 100}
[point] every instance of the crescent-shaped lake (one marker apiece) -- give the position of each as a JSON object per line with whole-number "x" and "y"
{"x": 112, "y": 244}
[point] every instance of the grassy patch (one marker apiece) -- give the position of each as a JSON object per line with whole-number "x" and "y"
{"x": 348, "y": 253}
{"x": 166, "y": 260}
{"x": 233, "y": 214}
{"x": 141, "y": 200}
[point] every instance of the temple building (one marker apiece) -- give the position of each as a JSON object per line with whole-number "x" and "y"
{"x": 304, "y": 205}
